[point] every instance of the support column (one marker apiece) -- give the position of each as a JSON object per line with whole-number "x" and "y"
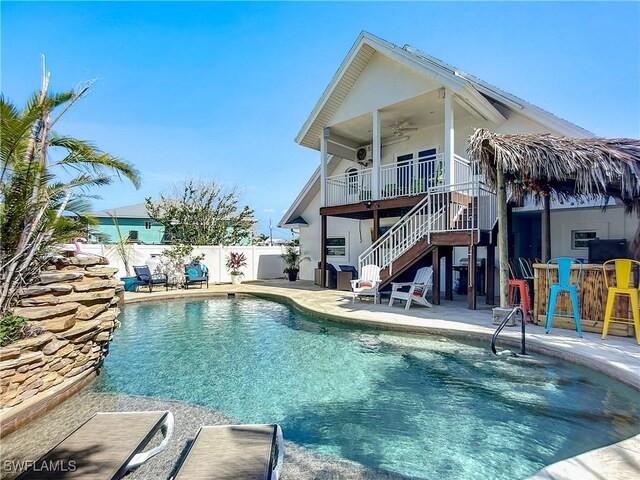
{"x": 376, "y": 225}
{"x": 490, "y": 278}
{"x": 471, "y": 289}
{"x": 323, "y": 253}
{"x": 448, "y": 273}
{"x": 546, "y": 229}
{"x": 503, "y": 238}
{"x": 449, "y": 170}
{"x": 323, "y": 167}
{"x": 435, "y": 263}
{"x": 376, "y": 148}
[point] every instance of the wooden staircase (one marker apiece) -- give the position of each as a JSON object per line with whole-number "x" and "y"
{"x": 405, "y": 261}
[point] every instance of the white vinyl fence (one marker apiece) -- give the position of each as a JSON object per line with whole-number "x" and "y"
{"x": 262, "y": 262}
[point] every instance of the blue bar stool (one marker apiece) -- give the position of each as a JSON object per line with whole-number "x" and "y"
{"x": 564, "y": 285}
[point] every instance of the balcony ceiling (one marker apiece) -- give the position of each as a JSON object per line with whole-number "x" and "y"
{"x": 420, "y": 112}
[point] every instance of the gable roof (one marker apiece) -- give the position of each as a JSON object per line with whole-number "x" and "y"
{"x": 479, "y": 94}
{"x": 138, "y": 210}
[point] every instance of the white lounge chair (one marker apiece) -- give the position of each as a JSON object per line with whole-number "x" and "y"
{"x": 367, "y": 284}
{"x": 422, "y": 283}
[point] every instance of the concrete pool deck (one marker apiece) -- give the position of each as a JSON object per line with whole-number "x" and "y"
{"x": 616, "y": 357}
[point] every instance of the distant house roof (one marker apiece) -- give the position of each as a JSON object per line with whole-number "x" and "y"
{"x": 481, "y": 95}
{"x": 138, "y": 210}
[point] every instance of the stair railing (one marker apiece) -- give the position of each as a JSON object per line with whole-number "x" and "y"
{"x": 398, "y": 239}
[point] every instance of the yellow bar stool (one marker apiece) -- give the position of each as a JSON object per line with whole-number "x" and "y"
{"x": 623, "y": 286}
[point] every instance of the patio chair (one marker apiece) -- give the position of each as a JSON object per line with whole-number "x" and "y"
{"x": 367, "y": 284}
{"x": 234, "y": 452}
{"x": 106, "y": 446}
{"x": 417, "y": 290}
{"x": 564, "y": 285}
{"x": 196, "y": 273}
{"x": 144, "y": 278}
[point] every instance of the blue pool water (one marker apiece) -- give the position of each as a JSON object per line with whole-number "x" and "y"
{"x": 420, "y": 406}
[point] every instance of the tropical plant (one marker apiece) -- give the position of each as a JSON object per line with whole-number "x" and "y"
{"x": 44, "y": 181}
{"x": 121, "y": 247}
{"x": 201, "y": 212}
{"x": 235, "y": 261}
{"x": 292, "y": 258}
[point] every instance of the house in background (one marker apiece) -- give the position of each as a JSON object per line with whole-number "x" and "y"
{"x": 394, "y": 187}
{"x": 134, "y": 223}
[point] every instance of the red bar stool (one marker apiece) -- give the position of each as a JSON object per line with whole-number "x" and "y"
{"x": 522, "y": 287}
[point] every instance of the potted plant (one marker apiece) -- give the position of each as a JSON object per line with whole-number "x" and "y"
{"x": 292, "y": 258}
{"x": 235, "y": 261}
{"x": 123, "y": 249}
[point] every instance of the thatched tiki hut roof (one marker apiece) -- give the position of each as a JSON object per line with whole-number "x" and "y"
{"x": 568, "y": 167}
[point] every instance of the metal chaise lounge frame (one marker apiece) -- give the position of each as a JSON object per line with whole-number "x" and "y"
{"x": 106, "y": 446}
{"x": 233, "y": 452}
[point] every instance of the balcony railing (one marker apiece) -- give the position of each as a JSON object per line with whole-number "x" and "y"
{"x": 409, "y": 177}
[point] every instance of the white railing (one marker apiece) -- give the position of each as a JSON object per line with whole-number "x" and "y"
{"x": 468, "y": 206}
{"x": 409, "y": 177}
{"x": 349, "y": 188}
{"x": 398, "y": 239}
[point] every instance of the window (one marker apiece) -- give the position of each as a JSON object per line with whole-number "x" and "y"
{"x": 133, "y": 235}
{"x": 337, "y": 247}
{"x": 580, "y": 238}
{"x": 147, "y": 225}
{"x": 352, "y": 181}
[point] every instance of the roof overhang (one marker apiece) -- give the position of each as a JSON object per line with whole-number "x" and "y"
{"x": 473, "y": 94}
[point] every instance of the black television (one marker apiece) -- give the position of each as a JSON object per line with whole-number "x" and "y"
{"x": 602, "y": 250}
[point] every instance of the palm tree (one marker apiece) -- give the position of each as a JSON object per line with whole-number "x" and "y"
{"x": 45, "y": 182}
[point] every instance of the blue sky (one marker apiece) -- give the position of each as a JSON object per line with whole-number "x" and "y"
{"x": 219, "y": 90}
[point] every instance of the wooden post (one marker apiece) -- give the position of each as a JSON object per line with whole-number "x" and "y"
{"x": 503, "y": 237}
{"x": 435, "y": 263}
{"x": 376, "y": 225}
{"x": 546, "y": 229}
{"x": 323, "y": 253}
{"x": 448, "y": 273}
{"x": 489, "y": 276}
{"x": 471, "y": 282}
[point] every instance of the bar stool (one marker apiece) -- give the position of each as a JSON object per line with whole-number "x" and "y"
{"x": 564, "y": 285}
{"x": 622, "y": 286}
{"x": 522, "y": 287}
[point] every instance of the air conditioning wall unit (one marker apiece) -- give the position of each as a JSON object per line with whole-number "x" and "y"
{"x": 364, "y": 156}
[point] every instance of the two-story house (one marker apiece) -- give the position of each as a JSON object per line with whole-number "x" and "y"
{"x": 394, "y": 187}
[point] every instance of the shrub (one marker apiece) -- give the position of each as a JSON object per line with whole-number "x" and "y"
{"x": 12, "y": 328}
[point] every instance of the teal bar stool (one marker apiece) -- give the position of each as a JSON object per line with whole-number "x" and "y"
{"x": 564, "y": 285}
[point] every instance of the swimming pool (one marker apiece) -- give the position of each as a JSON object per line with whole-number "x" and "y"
{"x": 420, "y": 406}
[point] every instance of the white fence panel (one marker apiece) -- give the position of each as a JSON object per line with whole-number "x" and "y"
{"x": 262, "y": 262}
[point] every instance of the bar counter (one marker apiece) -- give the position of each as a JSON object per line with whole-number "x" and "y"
{"x": 592, "y": 297}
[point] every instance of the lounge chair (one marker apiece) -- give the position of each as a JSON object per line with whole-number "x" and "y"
{"x": 106, "y": 446}
{"x": 417, "y": 290}
{"x": 144, "y": 278}
{"x": 367, "y": 284}
{"x": 234, "y": 452}
{"x": 195, "y": 273}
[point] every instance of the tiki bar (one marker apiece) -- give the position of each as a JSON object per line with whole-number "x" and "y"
{"x": 567, "y": 292}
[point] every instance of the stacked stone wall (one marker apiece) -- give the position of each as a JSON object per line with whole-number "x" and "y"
{"x": 72, "y": 312}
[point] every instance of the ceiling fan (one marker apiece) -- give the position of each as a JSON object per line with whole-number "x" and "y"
{"x": 400, "y": 128}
